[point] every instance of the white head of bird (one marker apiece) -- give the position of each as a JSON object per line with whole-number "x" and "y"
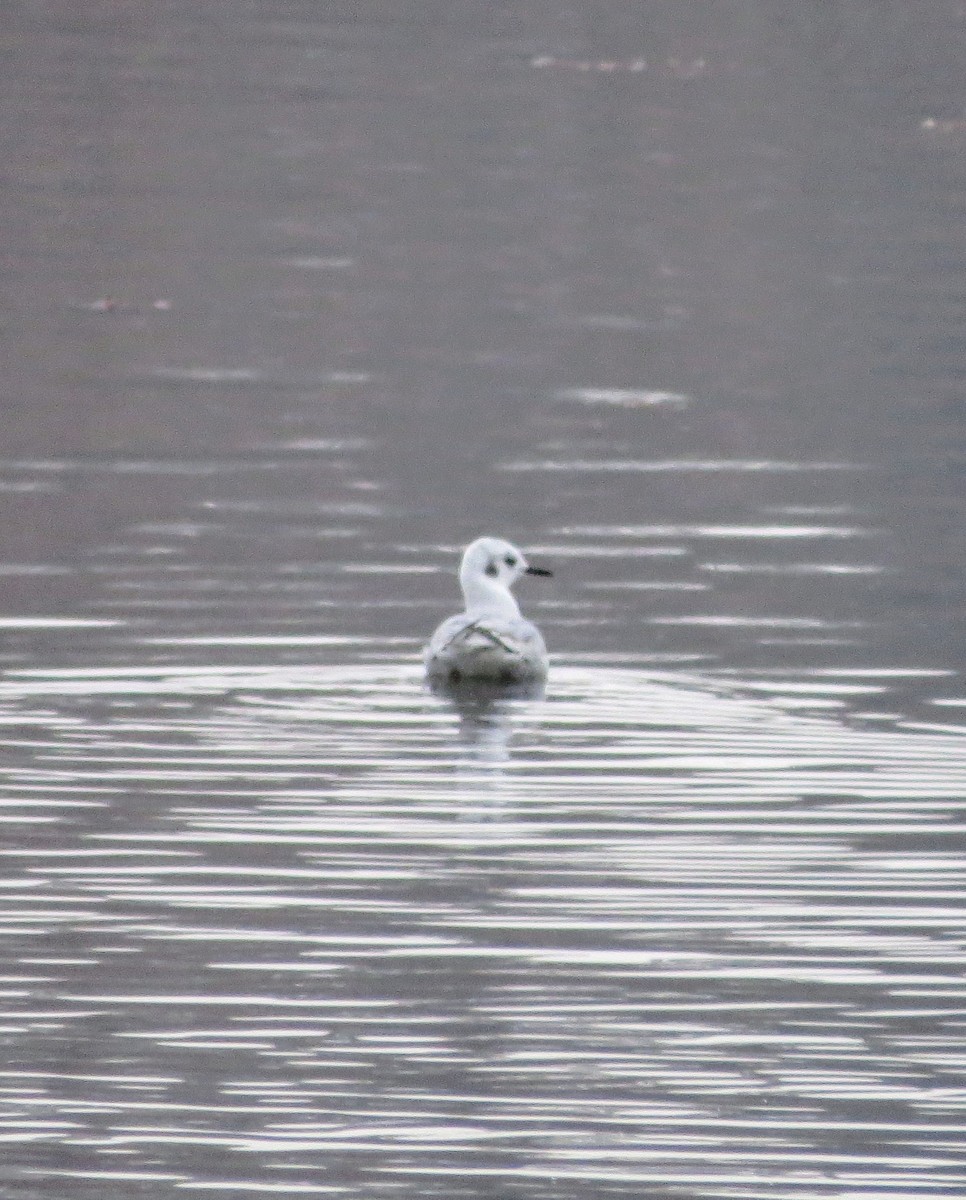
{"x": 490, "y": 567}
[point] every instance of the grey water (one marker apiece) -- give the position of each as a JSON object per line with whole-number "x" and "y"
{"x": 296, "y": 300}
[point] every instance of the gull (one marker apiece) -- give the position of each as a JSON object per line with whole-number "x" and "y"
{"x": 490, "y": 642}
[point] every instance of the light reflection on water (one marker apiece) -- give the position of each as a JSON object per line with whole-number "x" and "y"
{"x": 299, "y": 299}
{"x": 645, "y": 929}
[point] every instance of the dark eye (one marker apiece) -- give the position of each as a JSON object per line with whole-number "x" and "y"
{"x": 510, "y": 561}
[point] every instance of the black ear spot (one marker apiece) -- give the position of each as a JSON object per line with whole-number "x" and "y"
{"x": 491, "y": 568}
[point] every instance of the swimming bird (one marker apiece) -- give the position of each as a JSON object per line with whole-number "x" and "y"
{"x": 490, "y": 642}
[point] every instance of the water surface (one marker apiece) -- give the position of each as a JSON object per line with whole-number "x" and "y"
{"x": 296, "y": 305}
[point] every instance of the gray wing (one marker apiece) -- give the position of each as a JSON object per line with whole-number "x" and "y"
{"x": 463, "y": 637}
{"x": 446, "y": 634}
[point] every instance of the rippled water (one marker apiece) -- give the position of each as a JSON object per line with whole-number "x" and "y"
{"x": 298, "y": 304}
{"x": 284, "y": 928}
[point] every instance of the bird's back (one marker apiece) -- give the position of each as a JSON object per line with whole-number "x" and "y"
{"x": 487, "y": 648}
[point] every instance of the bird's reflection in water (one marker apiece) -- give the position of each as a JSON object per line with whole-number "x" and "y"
{"x": 489, "y": 713}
